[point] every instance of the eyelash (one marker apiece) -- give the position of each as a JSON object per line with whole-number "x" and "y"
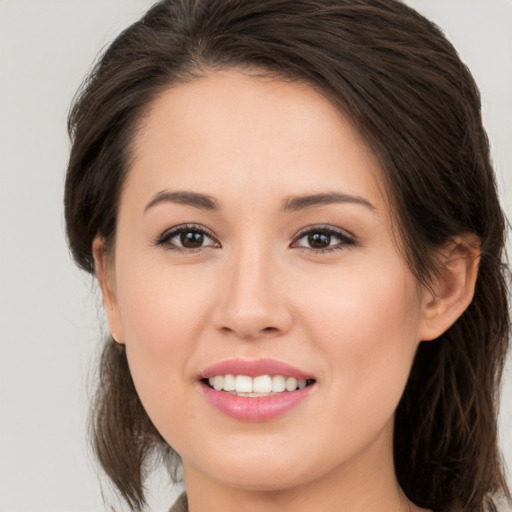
{"x": 344, "y": 240}
{"x": 165, "y": 238}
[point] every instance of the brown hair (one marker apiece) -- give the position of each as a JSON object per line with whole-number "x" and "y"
{"x": 403, "y": 85}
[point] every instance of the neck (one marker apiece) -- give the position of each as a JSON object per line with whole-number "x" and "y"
{"x": 365, "y": 482}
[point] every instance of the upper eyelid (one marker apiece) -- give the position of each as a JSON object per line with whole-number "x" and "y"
{"x": 175, "y": 230}
{"x": 189, "y": 227}
{"x": 326, "y": 227}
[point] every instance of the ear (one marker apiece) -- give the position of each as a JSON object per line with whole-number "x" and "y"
{"x": 454, "y": 286}
{"x": 105, "y": 276}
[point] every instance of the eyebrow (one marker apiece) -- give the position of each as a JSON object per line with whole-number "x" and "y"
{"x": 294, "y": 204}
{"x": 201, "y": 201}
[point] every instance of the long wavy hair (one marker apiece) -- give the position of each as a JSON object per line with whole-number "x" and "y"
{"x": 394, "y": 74}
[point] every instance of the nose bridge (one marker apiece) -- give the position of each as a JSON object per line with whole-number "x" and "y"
{"x": 253, "y": 303}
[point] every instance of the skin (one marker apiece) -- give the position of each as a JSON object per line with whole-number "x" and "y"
{"x": 352, "y": 316}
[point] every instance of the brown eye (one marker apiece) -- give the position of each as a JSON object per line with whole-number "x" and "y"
{"x": 183, "y": 238}
{"x": 323, "y": 239}
{"x": 192, "y": 239}
{"x": 319, "y": 240}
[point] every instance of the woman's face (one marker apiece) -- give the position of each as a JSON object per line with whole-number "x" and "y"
{"x": 254, "y": 240}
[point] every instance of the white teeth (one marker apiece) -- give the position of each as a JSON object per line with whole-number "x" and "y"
{"x": 261, "y": 385}
{"x": 291, "y": 384}
{"x": 218, "y": 382}
{"x": 243, "y": 384}
{"x": 278, "y": 383}
{"x": 229, "y": 383}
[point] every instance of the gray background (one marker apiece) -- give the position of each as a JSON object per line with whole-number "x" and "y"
{"x": 49, "y": 312}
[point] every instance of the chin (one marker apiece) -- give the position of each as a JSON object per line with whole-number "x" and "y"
{"x": 266, "y": 469}
{"x": 262, "y": 478}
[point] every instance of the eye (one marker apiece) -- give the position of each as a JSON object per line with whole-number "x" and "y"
{"x": 322, "y": 239}
{"x": 187, "y": 238}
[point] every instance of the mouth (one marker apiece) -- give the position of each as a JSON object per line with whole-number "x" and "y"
{"x": 259, "y": 386}
{"x": 255, "y": 390}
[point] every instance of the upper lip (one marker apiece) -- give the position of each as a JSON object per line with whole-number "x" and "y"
{"x": 254, "y": 368}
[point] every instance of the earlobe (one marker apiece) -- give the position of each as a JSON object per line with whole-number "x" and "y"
{"x": 453, "y": 288}
{"x": 104, "y": 274}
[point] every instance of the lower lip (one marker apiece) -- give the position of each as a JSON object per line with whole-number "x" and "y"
{"x": 261, "y": 408}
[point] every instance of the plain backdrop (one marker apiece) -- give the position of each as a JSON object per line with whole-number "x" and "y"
{"x": 49, "y": 311}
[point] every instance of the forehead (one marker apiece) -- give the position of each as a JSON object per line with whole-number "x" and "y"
{"x": 230, "y": 132}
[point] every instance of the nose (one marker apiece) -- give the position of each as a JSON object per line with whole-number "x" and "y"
{"x": 253, "y": 301}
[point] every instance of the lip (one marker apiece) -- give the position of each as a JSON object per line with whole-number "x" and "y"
{"x": 254, "y": 409}
{"x": 254, "y": 368}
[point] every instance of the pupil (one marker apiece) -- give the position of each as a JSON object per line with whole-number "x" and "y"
{"x": 191, "y": 239}
{"x": 319, "y": 240}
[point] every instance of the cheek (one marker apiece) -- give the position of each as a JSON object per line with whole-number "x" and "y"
{"x": 366, "y": 325}
{"x": 162, "y": 314}
{"x": 161, "y": 305}
{"x": 363, "y": 308}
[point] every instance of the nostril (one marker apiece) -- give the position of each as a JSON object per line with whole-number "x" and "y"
{"x": 248, "y": 335}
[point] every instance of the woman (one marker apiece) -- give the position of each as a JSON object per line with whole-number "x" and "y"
{"x": 293, "y": 219}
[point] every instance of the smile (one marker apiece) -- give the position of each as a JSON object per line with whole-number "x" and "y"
{"x": 255, "y": 390}
{"x": 262, "y": 385}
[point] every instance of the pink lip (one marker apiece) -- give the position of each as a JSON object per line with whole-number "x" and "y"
{"x": 253, "y": 369}
{"x": 254, "y": 409}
